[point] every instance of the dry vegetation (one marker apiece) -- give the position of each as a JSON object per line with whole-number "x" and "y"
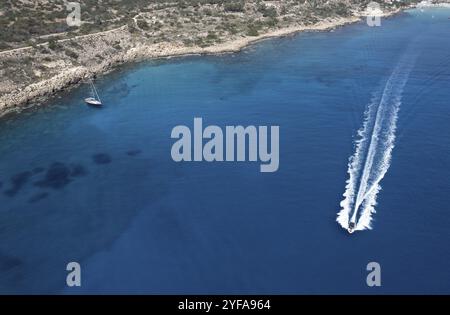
{"x": 51, "y": 47}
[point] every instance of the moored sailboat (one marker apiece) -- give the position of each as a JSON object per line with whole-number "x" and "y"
{"x": 94, "y": 100}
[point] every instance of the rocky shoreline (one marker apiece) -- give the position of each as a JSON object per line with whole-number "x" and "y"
{"x": 35, "y": 93}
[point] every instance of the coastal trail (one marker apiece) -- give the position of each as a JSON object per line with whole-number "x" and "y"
{"x": 6, "y": 52}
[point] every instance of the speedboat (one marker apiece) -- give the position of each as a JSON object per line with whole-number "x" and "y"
{"x": 351, "y": 227}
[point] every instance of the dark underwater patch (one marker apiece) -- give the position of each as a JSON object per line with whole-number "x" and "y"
{"x": 78, "y": 170}
{"x": 134, "y": 152}
{"x": 38, "y": 170}
{"x": 324, "y": 81}
{"x": 7, "y": 262}
{"x": 101, "y": 158}
{"x": 38, "y": 197}
{"x": 17, "y": 182}
{"x": 121, "y": 90}
{"x": 57, "y": 176}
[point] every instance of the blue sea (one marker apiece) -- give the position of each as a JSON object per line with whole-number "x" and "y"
{"x": 99, "y": 186}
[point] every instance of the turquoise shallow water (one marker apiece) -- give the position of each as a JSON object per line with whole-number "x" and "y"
{"x": 98, "y": 186}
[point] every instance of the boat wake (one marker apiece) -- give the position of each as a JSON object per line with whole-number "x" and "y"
{"x": 373, "y": 150}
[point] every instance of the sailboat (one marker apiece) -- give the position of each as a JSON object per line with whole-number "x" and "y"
{"x": 95, "y": 99}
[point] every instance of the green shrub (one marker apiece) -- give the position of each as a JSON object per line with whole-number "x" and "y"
{"x": 142, "y": 24}
{"x": 252, "y": 30}
{"x": 53, "y": 44}
{"x": 234, "y": 6}
{"x": 71, "y": 54}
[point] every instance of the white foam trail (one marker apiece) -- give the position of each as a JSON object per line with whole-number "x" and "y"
{"x": 373, "y": 150}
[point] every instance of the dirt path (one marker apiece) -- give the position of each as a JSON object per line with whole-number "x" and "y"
{"x": 6, "y": 52}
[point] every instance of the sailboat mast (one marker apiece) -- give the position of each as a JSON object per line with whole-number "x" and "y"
{"x": 95, "y": 91}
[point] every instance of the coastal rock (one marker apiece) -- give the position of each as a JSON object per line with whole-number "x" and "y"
{"x": 97, "y": 53}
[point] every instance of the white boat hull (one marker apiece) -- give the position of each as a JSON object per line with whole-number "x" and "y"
{"x": 93, "y": 101}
